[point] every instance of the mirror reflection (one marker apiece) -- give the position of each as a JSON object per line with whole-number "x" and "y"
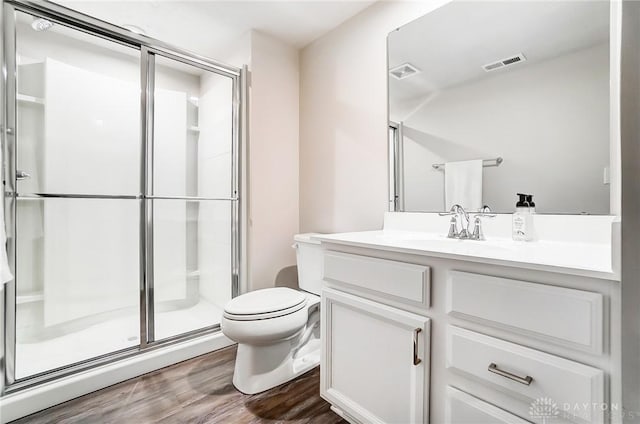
{"x": 490, "y": 99}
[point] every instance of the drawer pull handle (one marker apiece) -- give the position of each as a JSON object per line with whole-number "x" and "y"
{"x": 522, "y": 380}
{"x": 416, "y": 360}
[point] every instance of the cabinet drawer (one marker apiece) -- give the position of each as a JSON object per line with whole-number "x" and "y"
{"x": 462, "y": 408}
{"x": 577, "y": 389}
{"x": 567, "y": 317}
{"x": 397, "y": 283}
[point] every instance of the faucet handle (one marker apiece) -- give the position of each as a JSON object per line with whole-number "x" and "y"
{"x": 485, "y": 211}
{"x": 477, "y": 234}
{"x": 455, "y": 209}
{"x": 453, "y": 227}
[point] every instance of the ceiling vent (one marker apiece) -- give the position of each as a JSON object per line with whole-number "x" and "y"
{"x": 504, "y": 62}
{"x": 404, "y": 71}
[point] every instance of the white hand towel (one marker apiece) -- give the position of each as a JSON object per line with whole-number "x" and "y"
{"x": 463, "y": 184}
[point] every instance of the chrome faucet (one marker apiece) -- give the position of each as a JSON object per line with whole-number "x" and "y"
{"x": 460, "y": 218}
{"x": 477, "y": 233}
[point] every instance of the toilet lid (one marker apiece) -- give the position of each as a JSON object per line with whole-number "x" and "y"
{"x": 264, "y": 301}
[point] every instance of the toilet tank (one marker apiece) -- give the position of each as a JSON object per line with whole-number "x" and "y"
{"x": 309, "y": 259}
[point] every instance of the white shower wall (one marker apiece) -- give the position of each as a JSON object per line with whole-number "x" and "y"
{"x": 92, "y": 147}
{"x": 170, "y": 217}
{"x": 91, "y": 248}
{"x": 92, "y": 132}
{"x": 214, "y": 165}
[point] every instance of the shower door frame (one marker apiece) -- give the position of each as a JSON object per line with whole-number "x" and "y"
{"x": 149, "y": 48}
{"x": 395, "y": 166}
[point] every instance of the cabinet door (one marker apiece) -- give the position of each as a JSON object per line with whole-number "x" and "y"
{"x": 375, "y": 360}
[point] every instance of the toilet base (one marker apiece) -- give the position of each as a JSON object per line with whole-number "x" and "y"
{"x": 260, "y": 368}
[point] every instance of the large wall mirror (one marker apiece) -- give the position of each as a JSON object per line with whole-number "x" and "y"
{"x": 515, "y": 95}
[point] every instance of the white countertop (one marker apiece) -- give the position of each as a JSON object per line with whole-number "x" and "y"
{"x": 576, "y": 258}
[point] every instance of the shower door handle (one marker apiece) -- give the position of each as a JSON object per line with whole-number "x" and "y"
{"x": 22, "y": 175}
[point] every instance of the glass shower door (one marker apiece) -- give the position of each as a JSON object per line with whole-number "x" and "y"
{"x": 77, "y": 202}
{"x": 121, "y": 182}
{"x": 192, "y": 199}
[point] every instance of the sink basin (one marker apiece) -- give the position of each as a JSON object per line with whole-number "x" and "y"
{"x": 437, "y": 239}
{"x": 441, "y": 243}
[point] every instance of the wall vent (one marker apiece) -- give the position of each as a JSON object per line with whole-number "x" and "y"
{"x": 504, "y": 62}
{"x": 403, "y": 71}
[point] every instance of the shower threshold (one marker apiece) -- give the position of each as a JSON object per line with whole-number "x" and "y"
{"x": 110, "y": 336}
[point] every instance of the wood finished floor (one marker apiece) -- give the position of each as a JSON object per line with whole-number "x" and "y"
{"x": 195, "y": 391}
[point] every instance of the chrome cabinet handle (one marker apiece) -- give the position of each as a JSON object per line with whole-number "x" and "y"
{"x": 416, "y": 360}
{"x": 21, "y": 175}
{"x": 522, "y": 380}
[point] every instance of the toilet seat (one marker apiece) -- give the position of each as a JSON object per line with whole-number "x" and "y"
{"x": 265, "y": 304}
{"x": 266, "y": 315}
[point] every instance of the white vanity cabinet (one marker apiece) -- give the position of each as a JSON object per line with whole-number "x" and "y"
{"x": 493, "y": 344}
{"x": 375, "y": 357}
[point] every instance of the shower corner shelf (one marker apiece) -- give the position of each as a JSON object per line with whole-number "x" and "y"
{"x": 23, "y": 98}
{"x": 30, "y": 297}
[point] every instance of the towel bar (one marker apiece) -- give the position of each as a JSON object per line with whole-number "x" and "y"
{"x": 487, "y": 162}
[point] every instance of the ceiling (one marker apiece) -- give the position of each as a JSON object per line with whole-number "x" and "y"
{"x": 209, "y": 27}
{"x": 451, "y": 44}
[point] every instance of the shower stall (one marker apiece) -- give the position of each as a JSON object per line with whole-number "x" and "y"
{"x": 120, "y": 160}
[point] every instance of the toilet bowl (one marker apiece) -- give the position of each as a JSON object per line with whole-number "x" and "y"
{"x": 277, "y": 329}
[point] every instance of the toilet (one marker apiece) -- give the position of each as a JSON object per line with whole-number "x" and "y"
{"x": 278, "y": 329}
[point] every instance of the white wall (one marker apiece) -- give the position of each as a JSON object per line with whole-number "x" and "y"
{"x": 630, "y": 153}
{"x": 272, "y": 158}
{"x": 270, "y": 180}
{"x": 343, "y": 120}
{"x": 549, "y": 121}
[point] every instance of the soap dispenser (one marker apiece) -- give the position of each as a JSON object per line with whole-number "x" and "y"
{"x": 522, "y": 221}
{"x": 531, "y": 228}
{"x": 532, "y": 206}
